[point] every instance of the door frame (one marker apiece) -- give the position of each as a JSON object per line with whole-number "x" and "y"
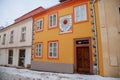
{"x": 19, "y": 57}
{"x": 90, "y": 53}
{"x": 9, "y": 55}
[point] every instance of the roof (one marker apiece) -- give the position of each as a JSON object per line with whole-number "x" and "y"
{"x": 25, "y": 16}
{"x": 40, "y": 10}
{"x": 29, "y": 14}
{"x": 61, "y": 5}
{"x": 64, "y": 3}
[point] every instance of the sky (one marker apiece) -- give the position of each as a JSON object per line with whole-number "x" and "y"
{"x": 13, "y": 9}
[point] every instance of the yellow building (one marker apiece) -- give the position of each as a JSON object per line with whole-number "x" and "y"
{"x": 66, "y": 38}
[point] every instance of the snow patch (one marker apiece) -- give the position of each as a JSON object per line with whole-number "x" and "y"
{"x": 8, "y": 73}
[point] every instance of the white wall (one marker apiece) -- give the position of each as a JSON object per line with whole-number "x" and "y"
{"x": 109, "y": 25}
{"x": 17, "y": 34}
{"x": 27, "y": 56}
{"x": 15, "y": 57}
{"x": 3, "y": 57}
{"x": 17, "y": 44}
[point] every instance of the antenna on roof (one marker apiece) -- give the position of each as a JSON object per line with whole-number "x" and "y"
{"x": 62, "y": 0}
{"x": 1, "y": 27}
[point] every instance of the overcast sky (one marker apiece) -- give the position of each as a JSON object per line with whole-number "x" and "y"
{"x": 12, "y": 9}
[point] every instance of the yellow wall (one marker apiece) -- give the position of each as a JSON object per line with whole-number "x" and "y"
{"x": 66, "y": 41}
{"x": 99, "y": 40}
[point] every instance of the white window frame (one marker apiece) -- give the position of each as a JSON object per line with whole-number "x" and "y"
{"x": 52, "y": 22}
{"x": 52, "y": 48}
{"x": 79, "y": 14}
{"x": 39, "y": 24}
{"x": 38, "y": 50}
{"x": 10, "y": 57}
{"x": 11, "y": 36}
{"x": 23, "y": 33}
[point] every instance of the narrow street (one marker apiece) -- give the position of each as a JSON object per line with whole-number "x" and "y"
{"x": 7, "y": 73}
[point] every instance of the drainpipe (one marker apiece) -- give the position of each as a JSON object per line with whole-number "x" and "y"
{"x": 32, "y": 41}
{"x": 95, "y": 45}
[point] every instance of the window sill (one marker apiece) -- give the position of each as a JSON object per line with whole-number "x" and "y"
{"x": 22, "y": 40}
{"x": 3, "y": 43}
{"x": 39, "y": 30}
{"x": 11, "y": 42}
{"x": 38, "y": 57}
{"x": 76, "y": 22}
{"x": 53, "y": 58}
{"x": 54, "y": 27}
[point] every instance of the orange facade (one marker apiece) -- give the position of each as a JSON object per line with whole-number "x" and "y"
{"x": 60, "y": 27}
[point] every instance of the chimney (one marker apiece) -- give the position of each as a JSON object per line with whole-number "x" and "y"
{"x": 63, "y": 0}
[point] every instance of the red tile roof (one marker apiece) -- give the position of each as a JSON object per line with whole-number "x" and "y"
{"x": 29, "y": 14}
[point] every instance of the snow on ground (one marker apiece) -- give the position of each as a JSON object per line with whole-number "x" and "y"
{"x": 7, "y": 73}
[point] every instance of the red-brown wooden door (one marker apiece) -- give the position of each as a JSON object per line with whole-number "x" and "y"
{"x": 83, "y": 60}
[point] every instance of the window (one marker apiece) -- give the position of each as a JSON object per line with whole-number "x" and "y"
{"x": 119, "y": 21}
{"x": 80, "y": 13}
{"x": 23, "y": 33}
{"x": 53, "y": 49}
{"x": 40, "y": 24}
{"x": 11, "y": 36}
{"x": 119, "y": 10}
{"x": 4, "y": 37}
{"x": 39, "y": 49}
{"x": 10, "y": 57}
{"x": 52, "y": 20}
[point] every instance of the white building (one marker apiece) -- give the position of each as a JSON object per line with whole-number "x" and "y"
{"x": 15, "y": 44}
{"x": 16, "y": 41}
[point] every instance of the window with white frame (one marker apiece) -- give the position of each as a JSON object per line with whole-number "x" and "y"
{"x": 40, "y": 24}
{"x": 39, "y": 49}
{"x": 53, "y": 20}
{"x": 11, "y": 36}
{"x": 80, "y": 13}
{"x": 53, "y": 49}
{"x": 4, "y": 38}
{"x": 23, "y": 33}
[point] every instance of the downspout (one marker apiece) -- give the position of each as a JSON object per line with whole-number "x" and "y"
{"x": 95, "y": 38}
{"x": 32, "y": 42}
